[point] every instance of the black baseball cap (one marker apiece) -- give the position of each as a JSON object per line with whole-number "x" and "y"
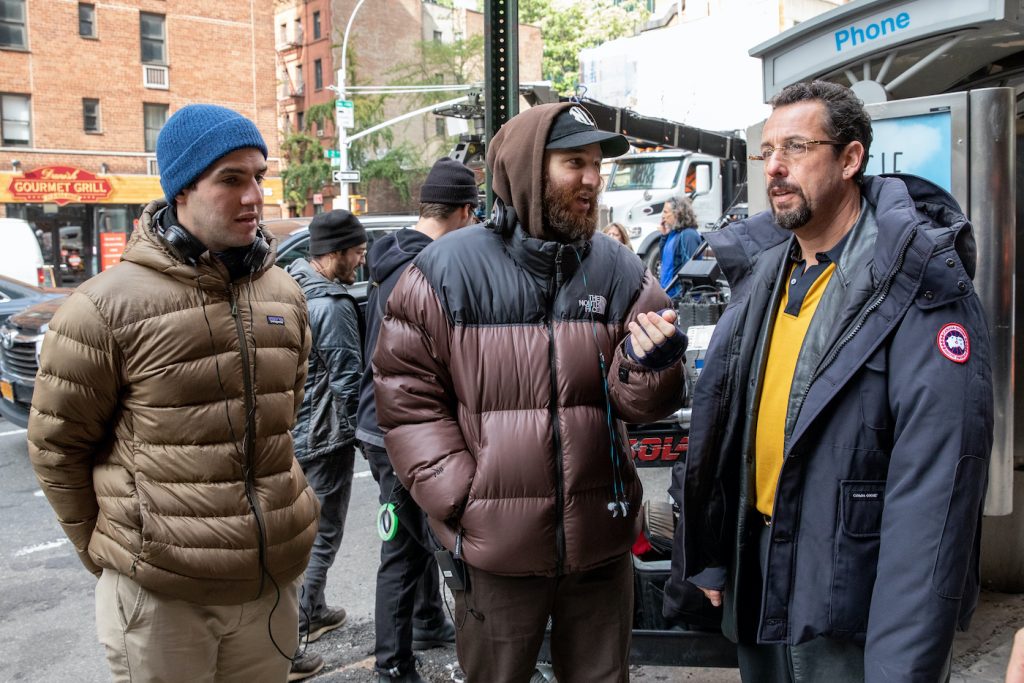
{"x": 575, "y": 127}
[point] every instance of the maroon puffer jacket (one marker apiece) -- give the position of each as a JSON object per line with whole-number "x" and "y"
{"x": 488, "y": 379}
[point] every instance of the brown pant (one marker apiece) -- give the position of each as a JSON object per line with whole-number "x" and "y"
{"x": 154, "y": 638}
{"x": 500, "y": 624}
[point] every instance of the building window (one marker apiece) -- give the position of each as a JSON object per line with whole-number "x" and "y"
{"x": 153, "y": 118}
{"x": 298, "y": 32}
{"x": 300, "y": 85}
{"x": 439, "y": 126}
{"x": 318, "y": 75}
{"x": 300, "y": 121}
{"x": 438, "y": 36}
{"x": 151, "y": 30}
{"x": 12, "y": 24}
{"x": 86, "y": 20}
{"x": 282, "y": 35}
{"x": 90, "y": 115}
{"x": 316, "y": 26}
{"x": 15, "y": 121}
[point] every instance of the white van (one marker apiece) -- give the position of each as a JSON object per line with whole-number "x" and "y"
{"x": 20, "y": 256}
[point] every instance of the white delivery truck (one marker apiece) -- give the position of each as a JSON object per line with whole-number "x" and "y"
{"x": 639, "y": 184}
{"x": 21, "y": 257}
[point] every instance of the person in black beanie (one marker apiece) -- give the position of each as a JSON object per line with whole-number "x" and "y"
{"x": 409, "y": 611}
{"x": 324, "y": 433}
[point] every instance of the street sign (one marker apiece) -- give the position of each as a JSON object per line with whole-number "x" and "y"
{"x": 318, "y": 199}
{"x": 332, "y": 153}
{"x": 346, "y": 176}
{"x": 346, "y": 113}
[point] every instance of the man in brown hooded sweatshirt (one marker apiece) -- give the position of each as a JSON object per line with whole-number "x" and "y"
{"x": 508, "y": 361}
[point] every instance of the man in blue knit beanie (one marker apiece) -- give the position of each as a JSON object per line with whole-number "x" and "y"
{"x": 161, "y": 442}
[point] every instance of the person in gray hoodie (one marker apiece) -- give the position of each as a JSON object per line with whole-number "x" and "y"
{"x": 409, "y": 614}
{"x": 324, "y": 432}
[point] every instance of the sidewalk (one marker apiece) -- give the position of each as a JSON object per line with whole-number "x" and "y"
{"x": 981, "y": 654}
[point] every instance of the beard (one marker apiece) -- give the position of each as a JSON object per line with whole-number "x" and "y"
{"x": 794, "y": 218}
{"x": 559, "y": 217}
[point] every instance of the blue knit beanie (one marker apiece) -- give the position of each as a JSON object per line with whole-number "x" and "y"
{"x": 195, "y": 137}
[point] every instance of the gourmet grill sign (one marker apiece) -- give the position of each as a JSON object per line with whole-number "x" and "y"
{"x": 60, "y": 185}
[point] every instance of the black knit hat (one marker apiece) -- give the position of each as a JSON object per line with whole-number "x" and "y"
{"x": 334, "y": 231}
{"x": 449, "y": 182}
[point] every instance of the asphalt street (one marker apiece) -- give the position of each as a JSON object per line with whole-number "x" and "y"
{"x": 48, "y": 632}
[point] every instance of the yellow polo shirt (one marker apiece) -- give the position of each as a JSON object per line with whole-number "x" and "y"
{"x": 791, "y": 323}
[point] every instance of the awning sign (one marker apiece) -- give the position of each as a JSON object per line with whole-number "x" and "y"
{"x": 60, "y": 185}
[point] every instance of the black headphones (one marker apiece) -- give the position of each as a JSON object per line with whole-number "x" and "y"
{"x": 503, "y": 218}
{"x": 189, "y": 249}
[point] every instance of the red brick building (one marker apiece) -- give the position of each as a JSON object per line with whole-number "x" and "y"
{"x": 385, "y": 37}
{"x": 84, "y": 90}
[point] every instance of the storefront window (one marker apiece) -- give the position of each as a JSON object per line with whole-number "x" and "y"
{"x": 79, "y": 240}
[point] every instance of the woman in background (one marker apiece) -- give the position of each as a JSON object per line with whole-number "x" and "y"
{"x": 617, "y": 231}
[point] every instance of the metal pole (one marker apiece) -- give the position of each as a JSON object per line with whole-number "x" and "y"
{"x": 501, "y": 69}
{"x": 341, "y": 201}
{"x": 407, "y": 115}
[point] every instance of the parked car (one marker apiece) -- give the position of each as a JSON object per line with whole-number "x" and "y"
{"x": 22, "y": 334}
{"x": 294, "y": 235}
{"x": 21, "y": 340}
{"x": 16, "y": 295}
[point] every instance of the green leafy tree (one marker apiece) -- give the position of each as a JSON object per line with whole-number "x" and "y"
{"x": 375, "y": 155}
{"x": 459, "y": 62}
{"x": 306, "y": 171}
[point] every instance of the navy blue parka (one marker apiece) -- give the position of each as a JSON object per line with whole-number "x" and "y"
{"x": 876, "y": 525}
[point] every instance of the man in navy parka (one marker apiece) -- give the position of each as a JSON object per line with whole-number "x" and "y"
{"x": 832, "y": 493}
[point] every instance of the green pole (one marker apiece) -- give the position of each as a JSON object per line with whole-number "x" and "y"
{"x": 501, "y": 70}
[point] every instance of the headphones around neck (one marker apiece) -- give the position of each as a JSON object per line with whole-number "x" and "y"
{"x": 189, "y": 249}
{"x": 503, "y": 218}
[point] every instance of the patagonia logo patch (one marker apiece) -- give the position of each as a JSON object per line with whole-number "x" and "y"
{"x": 275, "y": 319}
{"x": 954, "y": 343}
{"x": 595, "y": 304}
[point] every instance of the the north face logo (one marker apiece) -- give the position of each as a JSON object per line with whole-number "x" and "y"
{"x": 594, "y": 305}
{"x": 581, "y": 115}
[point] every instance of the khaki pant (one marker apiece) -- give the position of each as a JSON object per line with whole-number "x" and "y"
{"x": 500, "y": 622}
{"x": 150, "y": 637}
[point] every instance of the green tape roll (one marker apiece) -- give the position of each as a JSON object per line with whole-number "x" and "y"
{"x": 387, "y": 522}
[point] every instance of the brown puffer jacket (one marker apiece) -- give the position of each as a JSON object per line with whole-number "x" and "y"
{"x": 138, "y": 423}
{"x": 488, "y": 382}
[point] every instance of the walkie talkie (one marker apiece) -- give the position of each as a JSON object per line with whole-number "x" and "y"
{"x": 453, "y": 569}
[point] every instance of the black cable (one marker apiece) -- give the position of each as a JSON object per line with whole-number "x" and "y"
{"x": 621, "y": 503}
